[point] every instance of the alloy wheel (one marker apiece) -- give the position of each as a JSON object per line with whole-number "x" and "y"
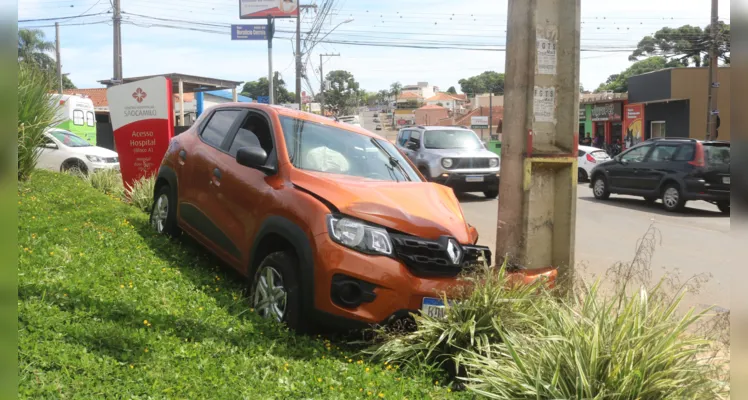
{"x": 269, "y": 296}
{"x": 160, "y": 213}
{"x": 599, "y": 187}
{"x": 671, "y": 197}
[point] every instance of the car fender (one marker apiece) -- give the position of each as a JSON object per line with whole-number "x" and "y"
{"x": 168, "y": 175}
{"x": 299, "y": 240}
{"x": 670, "y": 179}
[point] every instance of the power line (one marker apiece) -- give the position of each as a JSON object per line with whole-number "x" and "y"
{"x": 61, "y": 18}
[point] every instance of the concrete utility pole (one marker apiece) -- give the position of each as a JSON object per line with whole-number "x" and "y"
{"x": 271, "y": 33}
{"x": 57, "y": 56}
{"x": 116, "y": 23}
{"x": 713, "y": 107}
{"x": 299, "y": 66}
{"x": 537, "y": 204}
{"x": 322, "y": 81}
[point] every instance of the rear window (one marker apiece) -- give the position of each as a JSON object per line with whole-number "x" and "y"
{"x": 599, "y": 154}
{"x": 717, "y": 155}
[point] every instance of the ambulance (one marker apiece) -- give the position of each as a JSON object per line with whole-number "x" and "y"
{"x": 76, "y": 115}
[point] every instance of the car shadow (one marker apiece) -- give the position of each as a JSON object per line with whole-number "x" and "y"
{"x": 472, "y": 198}
{"x": 656, "y": 208}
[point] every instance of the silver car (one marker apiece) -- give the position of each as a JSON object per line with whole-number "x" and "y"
{"x": 452, "y": 156}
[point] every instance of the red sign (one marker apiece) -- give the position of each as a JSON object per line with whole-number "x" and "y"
{"x": 401, "y": 122}
{"x": 633, "y": 124}
{"x": 142, "y": 115}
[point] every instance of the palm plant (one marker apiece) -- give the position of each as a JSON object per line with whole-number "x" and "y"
{"x": 32, "y": 48}
{"x": 36, "y": 113}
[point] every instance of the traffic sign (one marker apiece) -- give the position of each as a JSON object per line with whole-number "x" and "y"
{"x": 249, "y": 32}
{"x": 263, "y": 99}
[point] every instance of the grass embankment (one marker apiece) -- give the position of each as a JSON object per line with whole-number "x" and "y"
{"x": 106, "y": 308}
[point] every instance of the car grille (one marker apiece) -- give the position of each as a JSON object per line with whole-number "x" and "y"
{"x": 430, "y": 258}
{"x": 467, "y": 163}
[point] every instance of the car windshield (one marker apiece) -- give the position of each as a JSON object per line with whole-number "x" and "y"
{"x": 69, "y": 139}
{"x": 717, "y": 155}
{"x": 318, "y": 147}
{"x": 451, "y": 139}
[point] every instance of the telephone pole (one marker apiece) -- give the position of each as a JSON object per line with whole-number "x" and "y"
{"x": 713, "y": 108}
{"x": 299, "y": 66}
{"x": 57, "y": 56}
{"x": 322, "y": 81}
{"x": 538, "y": 186}
{"x": 117, "y": 36}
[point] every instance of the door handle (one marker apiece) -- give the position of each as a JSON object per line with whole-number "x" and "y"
{"x": 217, "y": 173}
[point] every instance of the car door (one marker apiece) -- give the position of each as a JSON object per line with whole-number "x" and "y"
{"x": 624, "y": 174}
{"x": 245, "y": 194}
{"x": 198, "y": 205}
{"x": 51, "y": 155}
{"x": 415, "y": 137}
{"x": 658, "y": 164}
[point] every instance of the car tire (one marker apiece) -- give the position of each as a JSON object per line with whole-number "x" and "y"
{"x": 277, "y": 276}
{"x": 581, "y": 175}
{"x": 724, "y": 206}
{"x": 164, "y": 212}
{"x": 74, "y": 165}
{"x": 672, "y": 198}
{"x": 425, "y": 172}
{"x": 600, "y": 188}
{"x": 491, "y": 194}
{"x": 650, "y": 199}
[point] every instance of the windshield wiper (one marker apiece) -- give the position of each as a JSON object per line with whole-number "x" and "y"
{"x": 394, "y": 162}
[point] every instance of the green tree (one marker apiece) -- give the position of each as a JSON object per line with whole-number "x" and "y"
{"x": 688, "y": 45}
{"x": 452, "y": 90}
{"x": 395, "y": 89}
{"x": 383, "y": 96}
{"x": 487, "y": 82}
{"x": 34, "y": 49}
{"x": 255, "y": 89}
{"x": 342, "y": 93}
{"x": 618, "y": 83}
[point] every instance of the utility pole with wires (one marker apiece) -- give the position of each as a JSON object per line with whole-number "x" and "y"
{"x": 117, "y": 36}
{"x": 299, "y": 65}
{"x": 712, "y": 111}
{"x": 322, "y": 81}
{"x": 57, "y": 56}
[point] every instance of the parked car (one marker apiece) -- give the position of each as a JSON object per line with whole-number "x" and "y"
{"x": 378, "y": 127}
{"x": 589, "y": 157}
{"x": 317, "y": 214}
{"x": 63, "y": 150}
{"x": 376, "y": 120}
{"x": 674, "y": 169}
{"x": 452, "y": 156}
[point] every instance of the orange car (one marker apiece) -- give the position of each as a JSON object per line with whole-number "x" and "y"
{"x": 330, "y": 223}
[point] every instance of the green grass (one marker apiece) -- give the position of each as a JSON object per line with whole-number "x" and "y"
{"x": 107, "y": 308}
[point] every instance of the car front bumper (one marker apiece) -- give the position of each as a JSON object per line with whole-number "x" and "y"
{"x": 469, "y": 181}
{"x": 103, "y": 166}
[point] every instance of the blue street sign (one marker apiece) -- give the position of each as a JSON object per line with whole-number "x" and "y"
{"x": 249, "y": 32}
{"x": 263, "y": 99}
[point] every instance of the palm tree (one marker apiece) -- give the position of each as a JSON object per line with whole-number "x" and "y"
{"x": 395, "y": 89}
{"x": 33, "y": 48}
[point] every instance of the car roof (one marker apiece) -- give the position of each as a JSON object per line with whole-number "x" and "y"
{"x": 590, "y": 149}
{"x": 303, "y": 115}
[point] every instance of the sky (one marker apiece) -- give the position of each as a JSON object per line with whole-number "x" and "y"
{"x": 610, "y": 31}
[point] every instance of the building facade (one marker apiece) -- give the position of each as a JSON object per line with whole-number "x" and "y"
{"x": 601, "y": 114}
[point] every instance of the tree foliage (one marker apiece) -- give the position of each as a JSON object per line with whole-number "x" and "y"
{"x": 255, "y": 89}
{"x": 395, "y": 89}
{"x": 487, "y": 82}
{"x": 343, "y": 92}
{"x": 618, "y": 83}
{"x": 687, "y": 45}
{"x": 452, "y": 90}
{"x": 34, "y": 49}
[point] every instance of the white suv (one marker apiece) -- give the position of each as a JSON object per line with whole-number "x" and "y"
{"x": 63, "y": 150}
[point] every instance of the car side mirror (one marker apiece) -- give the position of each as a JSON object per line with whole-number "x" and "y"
{"x": 252, "y": 157}
{"x": 411, "y": 145}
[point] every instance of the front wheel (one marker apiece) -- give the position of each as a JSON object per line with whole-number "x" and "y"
{"x": 275, "y": 291}
{"x": 164, "y": 212}
{"x": 724, "y": 206}
{"x": 491, "y": 194}
{"x": 600, "y": 188}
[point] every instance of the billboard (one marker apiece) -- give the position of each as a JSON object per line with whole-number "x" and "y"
{"x": 250, "y": 9}
{"x": 633, "y": 124}
{"x": 478, "y": 122}
{"x": 249, "y": 32}
{"x": 606, "y": 112}
{"x": 142, "y": 115}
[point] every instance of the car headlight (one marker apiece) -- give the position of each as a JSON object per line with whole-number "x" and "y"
{"x": 95, "y": 159}
{"x": 447, "y": 162}
{"x": 493, "y": 163}
{"x": 359, "y": 236}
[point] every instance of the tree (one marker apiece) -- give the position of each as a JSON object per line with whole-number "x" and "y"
{"x": 688, "y": 45}
{"x": 383, "y": 96}
{"x": 487, "y": 82}
{"x": 33, "y": 49}
{"x": 342, "y": 93}
{"x": 618, "y": 83}
{"x": 255, "y": 89}
{"x": 395, "y": 89}
{"x": 452, "y": 90}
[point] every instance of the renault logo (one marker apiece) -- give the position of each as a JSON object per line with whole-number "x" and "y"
{"x": 454, "y": 251}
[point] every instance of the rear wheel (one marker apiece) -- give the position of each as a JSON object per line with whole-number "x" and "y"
{"x": 275, "y": 292}
{"x": 600, "y": 188}
{"x": 724, "y": 206}
{"x": 672, "y": 198}
{"x": 581, "y": 175}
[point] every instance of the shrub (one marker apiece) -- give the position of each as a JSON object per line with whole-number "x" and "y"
{"x": 484, "y": 307}
{"x": 140, "y": 194}
{"x": 595, "y": 346}
{"x": 108, "y": 181}
{"x": 36, "y": 113}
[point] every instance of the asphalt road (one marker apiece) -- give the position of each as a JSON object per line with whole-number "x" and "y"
{"x": 695, "y": 242}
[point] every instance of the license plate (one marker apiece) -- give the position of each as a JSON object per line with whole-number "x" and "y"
{"x": 474, "y": 178}
{"x": 726, "y": 180}
{"x": 434, "y": 308}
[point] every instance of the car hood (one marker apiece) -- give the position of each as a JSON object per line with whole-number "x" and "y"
{"x": 426, "y": 210}
{"x": 93, "y": 151}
